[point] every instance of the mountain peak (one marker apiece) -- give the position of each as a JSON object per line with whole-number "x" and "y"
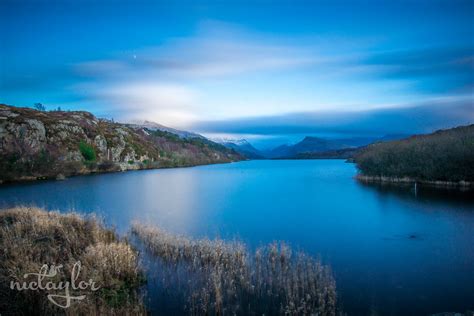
{"x": 242, "y": 146}
{"x": 156, "y": 126}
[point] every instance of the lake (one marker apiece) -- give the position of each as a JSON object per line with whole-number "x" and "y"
{"x": 393, "y": 251}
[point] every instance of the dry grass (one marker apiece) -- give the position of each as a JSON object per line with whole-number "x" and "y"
{"x": 202, "y": 276}
{"x": 31, "y": 237}
{"x": 223, "y": 278}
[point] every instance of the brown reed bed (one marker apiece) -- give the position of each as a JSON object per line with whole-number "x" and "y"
{"x": 31, "y": 237}
{"x": 215, "y": 277}
{"x": 202, "y": 276}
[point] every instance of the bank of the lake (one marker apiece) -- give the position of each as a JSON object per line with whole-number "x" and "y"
{"x": 462, "y": 185}
{"x": 444, "y": 158}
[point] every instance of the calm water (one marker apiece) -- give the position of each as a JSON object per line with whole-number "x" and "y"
{"x": 393, "y": 252}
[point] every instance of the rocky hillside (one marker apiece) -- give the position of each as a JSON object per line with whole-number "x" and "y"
{"x": 38, "y": 144}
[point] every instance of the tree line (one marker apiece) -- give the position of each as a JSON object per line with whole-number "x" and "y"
{"x": 446, "y": 155}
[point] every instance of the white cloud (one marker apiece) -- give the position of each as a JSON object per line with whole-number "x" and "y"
{"x": 207, "y": 54}
{"x": 152, "y": 100}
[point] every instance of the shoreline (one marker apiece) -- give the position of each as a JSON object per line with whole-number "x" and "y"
{"x": 407, "y": 180}
{"x": 62, "y": 177}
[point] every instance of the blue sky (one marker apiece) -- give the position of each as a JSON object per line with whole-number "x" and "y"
{"x": 258, "y": 69}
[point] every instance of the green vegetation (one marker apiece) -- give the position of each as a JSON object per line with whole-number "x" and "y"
{"x": 32, "y": 237}
{"x": 169, "y": 136}
{"x": 214, "y": 277}
{"x": 38, "y": 165}
{"x": 446, "y": 155}
{"x": 87, "y": 151}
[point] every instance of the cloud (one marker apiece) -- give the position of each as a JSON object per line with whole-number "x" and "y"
{"x": 153, "y": 100}
{"x": 408, "y": 119}
{"x": 441, "y": 69}
{"x": 210, "y": 57}
{"x": 220, "y": 50}
{"x": 209, "y": 53}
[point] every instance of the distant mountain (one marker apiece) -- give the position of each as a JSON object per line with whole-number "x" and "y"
{"x": 316, "y": 144}
{"x": 244, "y": 148}
{"x": 158, "y": 127}
{"x": 282, "y": 151}
{"x": 317, "y": 147}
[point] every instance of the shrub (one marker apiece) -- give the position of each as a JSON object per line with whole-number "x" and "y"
{"x": 87, "y": 151}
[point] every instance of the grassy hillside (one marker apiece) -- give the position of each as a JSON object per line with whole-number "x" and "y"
{"x": 36, "y": 144}
{"x": 446, "y": 155}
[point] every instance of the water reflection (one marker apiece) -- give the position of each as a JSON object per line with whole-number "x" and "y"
{"x": 454, "y": 197}
{"x": 392, "y": 252}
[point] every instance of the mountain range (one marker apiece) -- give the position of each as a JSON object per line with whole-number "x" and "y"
{"x": 308, "y": 148}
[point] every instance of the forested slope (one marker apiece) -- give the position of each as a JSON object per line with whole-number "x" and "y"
{"x": 446, "y": 155}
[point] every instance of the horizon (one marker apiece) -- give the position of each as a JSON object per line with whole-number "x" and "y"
{"x": 264, "y": 72}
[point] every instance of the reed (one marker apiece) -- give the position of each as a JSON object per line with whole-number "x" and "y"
{"x": 31, "y": 237}
{"x": 225, "y": 278}
{"x": 201, "y": 276}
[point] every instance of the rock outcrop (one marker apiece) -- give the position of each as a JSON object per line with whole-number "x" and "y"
{"x": 36, "y": 144}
